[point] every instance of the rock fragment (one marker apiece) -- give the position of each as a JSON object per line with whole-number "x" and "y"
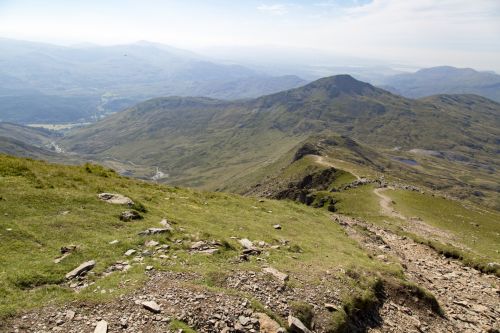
{"x": 247, "y": 244}
{"x": 166, "y": 225}
{"x": 153, "y": 231}
{"x": 102, "y": 327}
{"x": 151, "y": 306}
{"x": 282, "y": 277}
{"x": 130, "y": 215}
{"x": 81, "y": 270}
{"x": 296, "y": 326}
{"x": 114, "y": 198}
{"x": 129, "y": 252}
{"x": 151, "y": 243}
{"x": 268, "y": 325}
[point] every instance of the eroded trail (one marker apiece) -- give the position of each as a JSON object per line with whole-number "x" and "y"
{"x": 469, "y": 298}
{"x": 386, "y": 204}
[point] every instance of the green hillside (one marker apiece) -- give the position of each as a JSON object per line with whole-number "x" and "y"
{"x": 209, "y": 143}
{"x": 40, "y": 203}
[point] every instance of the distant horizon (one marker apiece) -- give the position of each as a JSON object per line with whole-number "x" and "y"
{"x": 424, "y": 33}
{"x": 408, "y": 68}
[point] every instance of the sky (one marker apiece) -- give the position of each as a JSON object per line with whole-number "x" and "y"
{"x": 463, "y": 33}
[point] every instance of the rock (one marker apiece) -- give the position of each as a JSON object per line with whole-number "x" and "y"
{"x": 68, "y": 249}
{"x": 198, "y": 245}
{"x": 209, "y": 251}
{"x": 266, "y": 324}
{"x": 102, "y": 327}
{"x": 149, "y": 268}
{"x": 116, "y": 199}
{"x": 151, "y": 306}
{"x": 277, "y": 226}
{"x": 153, "y": 231}
{"x": 81, "y": 270}
{"x": 151, "y": 243}
{"x": 238, "y": 327}
{"x": 130, "y": 215}
{"x": 244, "y": 320}
{"x": 130, "y": 252}
{"x": 247, "y": 244}
{"x": 166, "y": 225}
{"x": 331, "y": 307}
{"x": 296, "y": 326}
{"x": 479, "y": 308}
{"x": 124, "y": 322}
{"x": 70, "y": 314}
{"x": 113, "y": 242}
{"x": 277, "y": 274}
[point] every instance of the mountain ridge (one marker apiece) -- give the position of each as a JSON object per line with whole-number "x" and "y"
{"x": 206, "y": 142}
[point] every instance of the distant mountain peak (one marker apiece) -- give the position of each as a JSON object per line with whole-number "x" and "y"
{"x": 343, "y": 83}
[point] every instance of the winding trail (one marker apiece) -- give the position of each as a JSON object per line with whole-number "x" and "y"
{"x": 386, "y": 204}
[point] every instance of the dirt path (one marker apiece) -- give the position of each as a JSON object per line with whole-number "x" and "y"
{"x": 321, "y": 160}
{"x": 469, "y": 298}
{"x": 386, "y": 204}
{"x": 415, "y": 224}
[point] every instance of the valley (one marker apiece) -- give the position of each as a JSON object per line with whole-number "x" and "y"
{"x": 333, "y": 207}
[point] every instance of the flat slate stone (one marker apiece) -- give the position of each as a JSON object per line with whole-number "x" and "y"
{"x": 81, "y": 270}
{"x": 151, "y": 306}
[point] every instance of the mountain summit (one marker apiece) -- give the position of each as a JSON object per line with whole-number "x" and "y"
{"x": 343, "y": 83}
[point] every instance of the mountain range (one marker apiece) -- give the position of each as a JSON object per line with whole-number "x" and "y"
{"x": 211, "y": 143}
{"x": 444, "y": 80}
{"x": 43, "y": 83}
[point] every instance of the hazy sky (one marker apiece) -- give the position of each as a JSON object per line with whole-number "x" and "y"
{"x": 423, "y": 32}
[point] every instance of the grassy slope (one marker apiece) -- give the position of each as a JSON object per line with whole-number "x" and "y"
{"x": 476, "y": 227}
{"x": 34, "y": 194}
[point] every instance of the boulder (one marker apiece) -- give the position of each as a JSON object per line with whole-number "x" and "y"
{"x": 116, "y": 199}
{"x": 268, "y": 325}
{"x": 277, "y": 226}
{"x": 151, "y": 306}
{"x": 130, "y": 215}
{"x": 277, "y": 274}
{"x": 81, "y": 270}
{"x": 296, "y": 326}
{"x": 102, "y": 327}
